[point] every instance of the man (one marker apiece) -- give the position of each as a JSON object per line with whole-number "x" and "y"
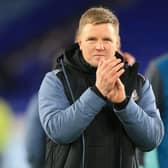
{"x": 157, "y": 74}
{"x": 94, "y": 107}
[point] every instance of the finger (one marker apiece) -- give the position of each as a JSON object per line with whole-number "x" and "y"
{"x": 110, "y": 64}
{"x": 117, "y": 68}
{"x": 111, "y": 82}
{"x": 116, "y": 76}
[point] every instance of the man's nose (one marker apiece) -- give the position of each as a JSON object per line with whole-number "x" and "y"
{"x": 100, "y": 46}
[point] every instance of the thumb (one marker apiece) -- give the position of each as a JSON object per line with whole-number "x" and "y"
{"x": 119, "y": 84}
{"x": 100, "y": 61}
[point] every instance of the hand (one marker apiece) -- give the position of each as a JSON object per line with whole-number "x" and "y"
{"x": 117, "y": 94}
{"x": 107, "y": 79}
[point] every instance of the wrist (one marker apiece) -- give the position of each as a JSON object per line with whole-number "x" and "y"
{"x": 98, "y": 93}
{"x": 121, "y": 105}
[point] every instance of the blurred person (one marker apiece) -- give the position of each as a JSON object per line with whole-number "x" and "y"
{"x": 5, "y": 126}
{"x": 14, "y": 155}
{"x": 96, "y": 109}
{"x": 156, "y": 72}
{"x": 35, "y": 135}
{"x": 128, "y": 57}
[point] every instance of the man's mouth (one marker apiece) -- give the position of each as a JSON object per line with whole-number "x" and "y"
{"x": 99, "y": 55}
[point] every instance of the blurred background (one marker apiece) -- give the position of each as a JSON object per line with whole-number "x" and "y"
{"x": 33, "y": 32}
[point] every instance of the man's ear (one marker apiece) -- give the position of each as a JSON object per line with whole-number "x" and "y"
{"x": 78, "y": 41}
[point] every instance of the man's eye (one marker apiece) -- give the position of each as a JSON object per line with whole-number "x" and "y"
{"x": 91, "y": 39}
{"x": 108, "y": 39}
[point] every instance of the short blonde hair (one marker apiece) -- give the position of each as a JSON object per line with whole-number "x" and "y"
{"x": 98, "y": 15}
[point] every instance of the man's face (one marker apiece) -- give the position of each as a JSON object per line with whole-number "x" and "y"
{"x": 98, "y": 41}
